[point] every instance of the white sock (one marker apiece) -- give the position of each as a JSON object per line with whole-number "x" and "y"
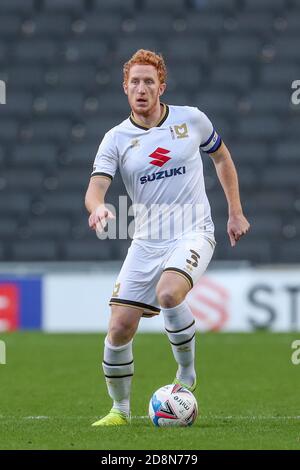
{"x": 118, "y": 370}
{"x": 180, "y": 328}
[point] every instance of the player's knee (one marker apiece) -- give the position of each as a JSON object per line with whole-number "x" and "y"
{"x": 121, "y": 332}
{"x": 169, "y": 298}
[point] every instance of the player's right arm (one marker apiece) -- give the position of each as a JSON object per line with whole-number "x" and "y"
{"x": 105, "y": 166}
{"x": 94, "y": 202}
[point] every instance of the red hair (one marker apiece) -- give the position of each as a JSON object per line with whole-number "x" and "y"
{"x": 144, "y": 57}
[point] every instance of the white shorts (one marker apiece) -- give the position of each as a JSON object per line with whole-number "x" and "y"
{"x": 145, "y": 262}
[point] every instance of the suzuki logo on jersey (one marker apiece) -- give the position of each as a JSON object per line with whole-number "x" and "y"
{"x": 163, "y": 174}
{"x": 160, "y": 157}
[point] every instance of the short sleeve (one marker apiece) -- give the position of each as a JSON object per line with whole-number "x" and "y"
{"x": 106, "y": 160}
{"x": 210, "y": 140}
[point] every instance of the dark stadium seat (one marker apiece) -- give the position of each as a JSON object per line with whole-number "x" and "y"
{"x": 34, "y": 155}
{"x": 25, "y": 77}
{"x": 32, "y": 51}
{"x": 250, "y": 22}
{"x": 54, "y": 25}
{"x": 47, "y": 130}
{"x": 85, "y": 50}
{"x": 113, "y": 103}
{"x": 281, "y": 176}
{"x": 190, "y": 50}
{"x": 176, "y": 97}
{"x": 81, "y": 155}
{"x": 8, "y": 227}
{"x": 292, "y": 22}
{"x": 16, "y": 6}
{"x": 266, "y": 201}
{"x": 9, "y": 130}
{"x": 73, "y": 76}
{"x": 244, "y": 50}
{"x": 265, "y": 226}
{"x": 184, "y": 78}
{"x": 288, "y": 252}
{"x": 279, "y": 74}
{"x": 259, "y": 5}
{"x": 48, "y": 227}
{"x": 249, "y": 152}
{"x": 128, "y": 45}
{"x": 3, "y": 252}
{"x": 80, "y": 250}
{"x": 151, "y": 23}
{"x": 214, "y": 5}
{"x": 268, "y": 101}
{"x": 287, "y": 48}
{"x": 291, "y": 127}
{"x": 172, "y": 6}
{"x": 2, "y": 155}
{"x": 10, "y": 25}
{"x": 3, "y": 52}
{"x": 59, "y": 203}
{"x": 37, "y": 250}
{"x": 287, "y": 151}
{"x": 63, "y": 103}
{"x": 73, "y": 6}
{"x": 204, "y": 23}
{"x": 249, "y": 250}
{"x": 264, "y": 126}
{"x": 214, "y": 101}
{"x": 96, "y": 127}
{"x": 18, "y": 179}
{"x": 114, "y": 5}
{"x": 102, "y": 23}
{"x": 14, "y": 203}
{"x": 19, "y": 104}
{"x": 236, "y": 77}
{"x": 73, "y": 179}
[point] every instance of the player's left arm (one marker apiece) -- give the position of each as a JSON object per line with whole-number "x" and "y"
{"x": 237, "y": 225}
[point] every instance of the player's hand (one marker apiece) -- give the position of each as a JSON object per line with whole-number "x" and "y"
{"x": 99, "y": 217}
{"x": 237, "y": 226}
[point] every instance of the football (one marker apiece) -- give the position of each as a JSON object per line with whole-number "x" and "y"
{"x": 173, "y": 405}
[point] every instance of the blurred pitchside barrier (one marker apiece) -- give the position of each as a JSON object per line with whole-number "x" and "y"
{"x": 74, "y": 298}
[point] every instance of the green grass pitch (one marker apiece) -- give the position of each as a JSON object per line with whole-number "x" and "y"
{"x": 52, "y": 389}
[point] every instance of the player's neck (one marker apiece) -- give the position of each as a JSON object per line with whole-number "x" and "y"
{"x": 152, "y": 119}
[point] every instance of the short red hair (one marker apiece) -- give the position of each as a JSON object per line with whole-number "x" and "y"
{"x": 144, "y": 57}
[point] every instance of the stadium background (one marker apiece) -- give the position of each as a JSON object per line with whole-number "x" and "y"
{"x": 61, "y": 61}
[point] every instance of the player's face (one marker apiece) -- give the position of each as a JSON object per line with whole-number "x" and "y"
{"x": 143, "y": 89}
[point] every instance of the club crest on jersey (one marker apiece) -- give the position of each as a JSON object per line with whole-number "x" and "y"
{"x": 180, "y": 131}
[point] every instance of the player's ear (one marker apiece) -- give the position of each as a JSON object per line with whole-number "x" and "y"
{"x": 125, "y": 88}
{"x": 162, "y": 88}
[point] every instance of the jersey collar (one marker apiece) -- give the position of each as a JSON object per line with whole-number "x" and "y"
{"x": 164, "y": 116}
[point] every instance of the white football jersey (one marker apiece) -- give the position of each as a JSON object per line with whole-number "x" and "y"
{"x": 162, "y": 171}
